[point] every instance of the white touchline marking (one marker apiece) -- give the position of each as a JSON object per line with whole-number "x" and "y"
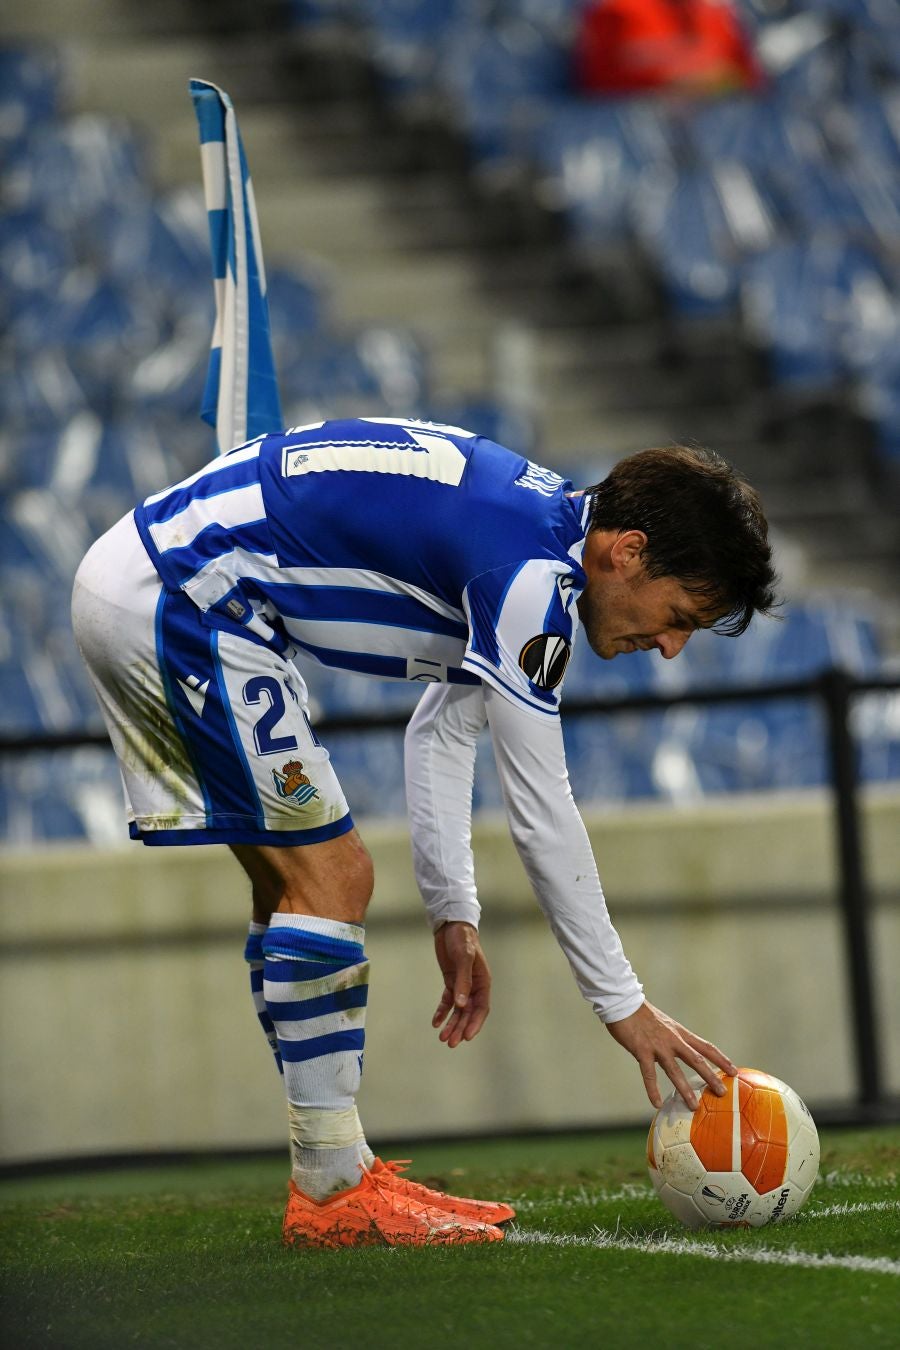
{"x": 639, "y": 1191}
{"x": 629, "y": 1190}
{"x": 766, "y": 1256}
{"x": 844, "y": 1180}
{"x": 857, "y": 1207}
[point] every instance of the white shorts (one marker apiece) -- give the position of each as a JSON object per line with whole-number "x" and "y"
{"x": 210, "y": 727}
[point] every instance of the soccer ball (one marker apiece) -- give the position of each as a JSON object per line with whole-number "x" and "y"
{"x": 738, "y": 1161}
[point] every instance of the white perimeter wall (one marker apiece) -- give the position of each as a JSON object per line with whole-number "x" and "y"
{"x": 127, "y": 1024}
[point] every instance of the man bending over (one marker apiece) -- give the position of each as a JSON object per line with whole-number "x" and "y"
{"x": 416, "y": 551}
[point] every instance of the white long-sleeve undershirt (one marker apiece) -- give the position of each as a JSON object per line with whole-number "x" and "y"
{"x": 544, "y": 821}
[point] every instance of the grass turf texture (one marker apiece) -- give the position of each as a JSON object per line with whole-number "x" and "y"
{"x": 190, "y": 1256}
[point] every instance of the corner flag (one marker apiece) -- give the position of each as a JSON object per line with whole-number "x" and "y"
{"x": 241, "y": 396}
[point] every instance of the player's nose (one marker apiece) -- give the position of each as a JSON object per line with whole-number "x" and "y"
{"x": 670, "y": 643}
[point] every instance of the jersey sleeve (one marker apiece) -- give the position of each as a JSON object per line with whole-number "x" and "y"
{"x": 439, "y": 757}
{"x": 522, "y": 623}
{"x": 553, "y": 844}
{"x": 544, "y": 822}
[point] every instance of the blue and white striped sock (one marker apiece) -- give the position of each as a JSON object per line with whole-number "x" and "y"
{"x": 253, "y": 955}
{"x": 316, "y": 984}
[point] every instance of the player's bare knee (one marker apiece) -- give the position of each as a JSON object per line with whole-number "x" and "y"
{"x": 356, "y": 876}
{"x": 333, "y": 879}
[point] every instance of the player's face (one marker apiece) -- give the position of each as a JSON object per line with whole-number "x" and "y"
{"x": 623, "y": 611}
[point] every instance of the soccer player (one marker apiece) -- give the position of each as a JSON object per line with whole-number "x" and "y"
{"x": 416, "y": 551}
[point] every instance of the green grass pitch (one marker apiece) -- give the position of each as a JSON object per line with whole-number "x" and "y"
{"x": 190, "y": 1256}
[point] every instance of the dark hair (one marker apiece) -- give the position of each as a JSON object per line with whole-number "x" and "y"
{"x": 704, "y": 525}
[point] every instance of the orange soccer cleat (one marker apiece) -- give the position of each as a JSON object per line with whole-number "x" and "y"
{"x": 375, "y": 1214}
{"x": 477, "y": 1211}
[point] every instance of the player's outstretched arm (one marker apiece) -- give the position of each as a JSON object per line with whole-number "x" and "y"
{"x": 466, "y": 1000}
{"x": 655, "y": 1038}
{"x": 440, "y": 765}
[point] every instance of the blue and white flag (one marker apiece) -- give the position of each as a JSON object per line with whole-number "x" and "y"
{"x": 241, "y": 396}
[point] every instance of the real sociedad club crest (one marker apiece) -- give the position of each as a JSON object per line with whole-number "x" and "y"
{"x": 293, "y": 784}
{"x": 544, "y": 659}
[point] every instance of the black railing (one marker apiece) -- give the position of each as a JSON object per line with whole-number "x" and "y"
{"x": 835, "y": 690}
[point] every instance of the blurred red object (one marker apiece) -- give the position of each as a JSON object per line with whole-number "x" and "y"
{"x": 632, "y": 46}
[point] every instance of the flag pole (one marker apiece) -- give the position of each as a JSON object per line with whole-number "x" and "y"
{"x": 241, "y": 399}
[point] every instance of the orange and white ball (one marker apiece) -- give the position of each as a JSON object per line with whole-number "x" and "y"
{"x": 738, "y": 1161}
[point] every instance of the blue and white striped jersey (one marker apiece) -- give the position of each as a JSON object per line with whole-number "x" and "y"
{"x": 395, "y": 548}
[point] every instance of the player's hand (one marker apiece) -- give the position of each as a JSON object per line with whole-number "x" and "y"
{"x": 654, "y": 1038}
{"x": 466, "y": 1000}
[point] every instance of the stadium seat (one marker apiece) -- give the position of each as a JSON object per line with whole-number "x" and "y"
{"x": 37, "y": 390}
{"x": 698, "y": 225}
{"x": 35, "y": 257}
{"x": 806, "y": 303}
{"x": 74, "y": 171}
{"x": 502, "y": 83}
{"x": 30, "y": 78}
{"x": 768, "y": 133}
{"x": 590, "y": 159}
{"x": 407, "y": 37}
{"x": 878, "y": 394}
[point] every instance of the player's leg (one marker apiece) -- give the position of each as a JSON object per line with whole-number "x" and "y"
{"x": 215, "y": 746}
{"x": 333, "y": 880}
{"x": 315, "y": 989}
{"x": 326, "y": 1149}
{"x": 255, "y": 958}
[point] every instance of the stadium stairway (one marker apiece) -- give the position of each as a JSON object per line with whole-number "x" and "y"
{"x": 388, "y": 217}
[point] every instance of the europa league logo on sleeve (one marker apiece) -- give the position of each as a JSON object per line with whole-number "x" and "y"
{"x": 544, "y": 659}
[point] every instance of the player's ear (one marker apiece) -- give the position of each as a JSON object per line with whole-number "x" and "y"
{"x": 626, "y": 551}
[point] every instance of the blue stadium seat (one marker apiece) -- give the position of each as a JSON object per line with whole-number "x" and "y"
{"x": 35, "y": 258}
{"x": 158, "y": 248}
{"x": 313, "y": 14}
{"x": 19, "y": 709}
{"x": 590, "y": 159}
{"x": 503, "y": 82}
{"x": 698, "y": 226}
{"x": 876, "y": 722}
{"x": 802, "y": 306}
{"x": 39, "y": 391}
{"x": 768, "y": 133}
{"x": 874, "y": 51}
{"x": 297, "y": 303}
{"x": 30, "y": 77}
{"x": 74, "y": 171}
{"x": 846, "y": 201}
{"x": 370, "y": 768}
{"x": 61, "y": 796}
{"x": 407, "y": 37}
{"x": 759, "y": 746}
{"x": 373, "y": 370}
{"x": 876, "y": 15}
{"x": 878, "y": 393}
{"x": 610, "y": 757}
{"x": 42, "y": 685}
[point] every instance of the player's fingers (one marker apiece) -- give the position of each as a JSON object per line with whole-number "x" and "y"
{"x": 703, "y": 1056}
{"x": 475, "y": 1022}
{"x": 712, "y": 1053}
{"x": 443, "y": 1007}
{"x": 462, "y": 984}
{"x": 705, "y": 1070}
{"x": 648, "y": 1073}
{"x": 451, "y": 1033}
{"x": 680, "y": 1083}
{"x": 464, "y": 1024}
